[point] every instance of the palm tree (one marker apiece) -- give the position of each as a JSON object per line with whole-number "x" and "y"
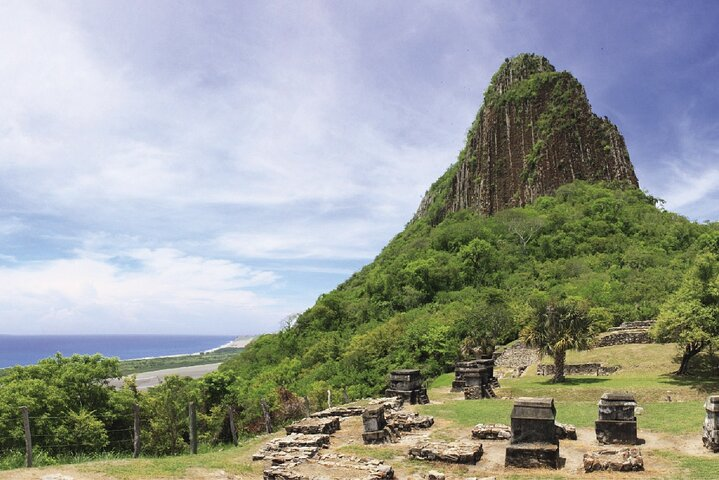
{"x": 558, "y": 326}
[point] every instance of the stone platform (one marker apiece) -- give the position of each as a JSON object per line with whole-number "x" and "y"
{"x": 341, "y": 466}
{"x": 458, "y": 452}
{"x": 491, "y": 431}
{"x": 614, "y": 459}
{"x": 408, "y": 421}
{"x": 316, "y": 425}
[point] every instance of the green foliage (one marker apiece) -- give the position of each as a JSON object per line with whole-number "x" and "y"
{"x": 690, "y": 317}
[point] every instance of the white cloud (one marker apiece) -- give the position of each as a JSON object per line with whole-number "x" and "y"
{"x": 142, "y": 288}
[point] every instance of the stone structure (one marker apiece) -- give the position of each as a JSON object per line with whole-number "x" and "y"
{"x": 297, "y": 446}
{"x": 616, "y": 460}
{"x": 596, "y": 369}
{"x": 326, "y": 425}
{"x": 617, "y": 423}
{"x": 458, "y": 452}
{"x": 710, "y": 436}
{"x": 347, "y": 411}
{"x": 341, "y": 466}
{"x": 626, "y": 333}
{"x": 389, "y": 403}
{"x": 408, "y": 421}
{"x": 408, "y": 385}
{"x": 492, "y": 431}
{"x": 534, "y": 436}
{"x": 475, "y": 378}
{"x": 565, "y": 431}
{"x": 376, "y": 429}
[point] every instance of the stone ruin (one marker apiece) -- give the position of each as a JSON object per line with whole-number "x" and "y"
{"x": 408, "y": 421}
{"x": 596, "y": 369}
{"x": 316, "y": 425}
{"x": 565, "y": 431}
{"x": 408, "y": 385}
{"x": 345, "y": 411}
{"x": 710, "y": 435}
{"x": 475, "y": 378}
{"x": 617, "y": 423}
{"x": 376, "y": 429}
{"x": 492, "y": 431}
{"x": 615, "y": 460}
{"x": 294, "y": 447}
{"x": 341, "y": 466}
{"x": 534, "y": 436}
{"x": 627, "y": 332}
{"x": 457, "y": 452}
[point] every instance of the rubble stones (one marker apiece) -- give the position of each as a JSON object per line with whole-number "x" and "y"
{"x": 473, "y": 393}
{"x": 710, "y": 435}
{"x": 518, "y": 356}
{"x": 457, "y": 452}
{"x": 532, "y": 455}
{"x": 339, "y": 412}
{"x": 389, "y": 403}
{"x": 435, "y": 475}
{"x": 565, "y": 431}
{"x": 616, "y": 460}
{"x": 353, "y": 467}
{"x": 326, "y": 425}
{"x": 617, "y": 423}
{"x": 627, "y": 332}
{"x": 407, "y": 421}
{"x": 492, "y": 431}
{"x": 295, "y": 446}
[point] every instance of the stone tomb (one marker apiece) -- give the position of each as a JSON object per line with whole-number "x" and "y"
{"x": 710, "y": 436}
{"x": 408, "y": 385}
{"x": 376, "y": 429}
{"x": 617, "y": 423}
{"x": 534, "y": 437}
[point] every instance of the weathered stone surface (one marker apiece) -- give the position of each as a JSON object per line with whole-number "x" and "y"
{"x": 389, "y": 403}
{"x": 534, "y": 440}
{"x": 348, "y": 411}
{"x": 596, "y": 369}
{"x": 626, "y": 333}
{"x": 532, "y": 455}
{"x": 373, "y": 418}
{"x": 297, "y": 446}
{"x": 535, "y": 132}
{"x": 435, "y": 475}
{"x": 613, "y": 459}
{"x": 710, "y": 435}
{"x": 617, "y": 423}
{"x": 491, "y": 431}
{"x": 458, "y": 452}
{"x": 517, "y": 356}
{"x": 341, "y": 466}
{"x": 407, "y": 384}
{"x": 315, "y": 425}
{"x": 407, "y": 421}
{"x": 473, "y": 393}
{"x": 565, "y": 431}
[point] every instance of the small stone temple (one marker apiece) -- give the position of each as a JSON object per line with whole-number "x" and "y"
{"x": 408, "y": 385}
{"x": 710, "y": 436}
{"x": 475, "y": 378}
{"x": 534, "y": 437}
{"x": 617, "y": 423}
{"x": 375, "y": 426}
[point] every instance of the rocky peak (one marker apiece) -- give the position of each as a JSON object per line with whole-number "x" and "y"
{"x": 534, "y": 132}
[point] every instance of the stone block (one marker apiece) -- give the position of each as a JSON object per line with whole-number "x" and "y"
{"x": 533, "y": 421}
{"x": 492, "y": 431}
{"x": 373, "y": 418}
{"x": 616, "y": 460}
{"x": 565, "y": 431}
{"x": 616, "y": 432}
{"x": 315, "y": 425}
{"x": 458, "y": 452}
{"x": 532, "y": 455}
{"x": 407, "y": 421}
{"x": 710, "y": 433}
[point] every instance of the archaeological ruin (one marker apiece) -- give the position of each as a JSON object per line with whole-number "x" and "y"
{"x": 375, "y": 425}
{"x": 710, "y": 435}
{"x": 408, "y": 385}
{"x": 534, "y": 436}
{"x": 617, "y": 423}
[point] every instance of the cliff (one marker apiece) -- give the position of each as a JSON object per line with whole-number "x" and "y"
{"x": 534, "y": 132}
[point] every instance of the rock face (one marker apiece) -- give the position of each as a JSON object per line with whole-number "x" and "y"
{"x": 535, "y": 132}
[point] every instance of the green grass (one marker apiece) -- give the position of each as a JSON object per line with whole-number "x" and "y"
{"x": 691, "y": 466}
{"x": 129, "y": 367}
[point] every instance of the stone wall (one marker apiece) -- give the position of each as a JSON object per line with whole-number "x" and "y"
{"x": 596, "y": 369}
{"x": 624, "y": 337}
{"x": 517, "y": 356}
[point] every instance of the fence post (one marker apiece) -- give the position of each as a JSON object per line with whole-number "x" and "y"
{"x": 345, "y": 394}
{"x": 266, "y": 414}
{"x": 329, "y": 398}
{"x": 307, "y": 406}
{"x": 193, "y": 428}
{"x": 233, "y": 429}
{"x": 136, "y": 431}
{"x": 28, "y": 437}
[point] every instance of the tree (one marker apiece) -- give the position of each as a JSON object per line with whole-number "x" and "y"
{"x": 691, "y": 316}
{"x": 522, "y": 224}
{"x": 558, "y": 326}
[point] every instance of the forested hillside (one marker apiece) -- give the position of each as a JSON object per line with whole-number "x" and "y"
{"x": 431, "y": 286}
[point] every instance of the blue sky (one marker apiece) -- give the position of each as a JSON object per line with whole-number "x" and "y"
{"x": 185, "y": 167}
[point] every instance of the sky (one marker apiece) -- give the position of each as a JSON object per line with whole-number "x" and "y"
{"x": 212, "y": 167}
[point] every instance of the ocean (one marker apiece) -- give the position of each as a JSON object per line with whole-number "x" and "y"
{"x": 28, "y": 349}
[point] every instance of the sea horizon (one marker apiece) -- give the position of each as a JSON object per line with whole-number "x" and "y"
{"x": 18, "y": 349}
